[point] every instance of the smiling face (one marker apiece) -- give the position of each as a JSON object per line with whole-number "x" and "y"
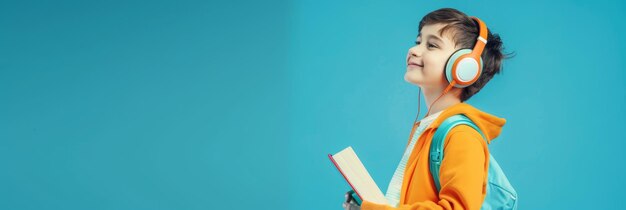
{"x": 427, "y": 59}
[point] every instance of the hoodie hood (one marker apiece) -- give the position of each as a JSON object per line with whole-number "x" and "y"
{"x": 489, "y": 124}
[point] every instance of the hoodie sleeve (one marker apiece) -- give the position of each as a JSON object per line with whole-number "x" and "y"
{"x": 462, "y": 174}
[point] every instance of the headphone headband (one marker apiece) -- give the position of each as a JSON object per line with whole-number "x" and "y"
{"x": 481, "y": 41}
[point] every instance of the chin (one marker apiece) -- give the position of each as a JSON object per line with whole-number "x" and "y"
{"x": 411, "y": 79}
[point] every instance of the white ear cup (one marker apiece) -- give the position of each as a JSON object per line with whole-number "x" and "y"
{"x": 467, "y": 69}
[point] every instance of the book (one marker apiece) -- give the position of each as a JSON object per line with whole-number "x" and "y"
{"x": 353, "y": 171}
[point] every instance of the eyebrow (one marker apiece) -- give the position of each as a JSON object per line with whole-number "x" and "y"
{"x": 430, "y": 36}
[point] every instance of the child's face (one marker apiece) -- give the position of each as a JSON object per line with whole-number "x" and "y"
{"x": 430, "y": 56}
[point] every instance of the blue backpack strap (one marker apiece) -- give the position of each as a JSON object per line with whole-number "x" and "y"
{"x": 436, "y": 147}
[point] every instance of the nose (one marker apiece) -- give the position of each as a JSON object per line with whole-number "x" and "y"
{"x": 413, "y": 52}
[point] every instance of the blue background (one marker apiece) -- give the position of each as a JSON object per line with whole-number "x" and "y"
{"x": 234, "y": 105}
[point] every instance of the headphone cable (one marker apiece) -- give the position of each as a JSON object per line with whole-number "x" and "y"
{"x": 433, "y": 103}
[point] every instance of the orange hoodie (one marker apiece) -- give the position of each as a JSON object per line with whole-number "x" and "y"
{"x": 463, "y": 173}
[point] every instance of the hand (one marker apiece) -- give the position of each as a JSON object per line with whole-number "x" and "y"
{"x": 349, "y": 202}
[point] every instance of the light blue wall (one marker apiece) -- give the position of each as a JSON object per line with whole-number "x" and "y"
{"x": 234, "y": 105}
{"x": 142, "y": 104}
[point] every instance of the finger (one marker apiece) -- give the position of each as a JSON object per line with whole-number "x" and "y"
{"x": 353, "y": 207}
{"x": 349, "y": 198}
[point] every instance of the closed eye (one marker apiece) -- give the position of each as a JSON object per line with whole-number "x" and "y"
{"x": 430, "y": 45}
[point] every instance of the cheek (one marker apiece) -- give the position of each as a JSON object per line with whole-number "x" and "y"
{"x": 434, "y": 64}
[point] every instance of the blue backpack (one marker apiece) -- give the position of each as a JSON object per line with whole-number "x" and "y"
{"x": 500, "y": 193}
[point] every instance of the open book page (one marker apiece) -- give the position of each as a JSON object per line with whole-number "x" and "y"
{"x": 354, "y": 172}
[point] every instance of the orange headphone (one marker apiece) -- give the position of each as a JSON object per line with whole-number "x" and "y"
{"x": 464, "y": 66}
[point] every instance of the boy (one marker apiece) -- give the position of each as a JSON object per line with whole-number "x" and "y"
{"x": 463, "y": 174}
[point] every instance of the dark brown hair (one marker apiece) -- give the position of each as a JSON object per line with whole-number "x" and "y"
{"x": 464, "y": 32}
